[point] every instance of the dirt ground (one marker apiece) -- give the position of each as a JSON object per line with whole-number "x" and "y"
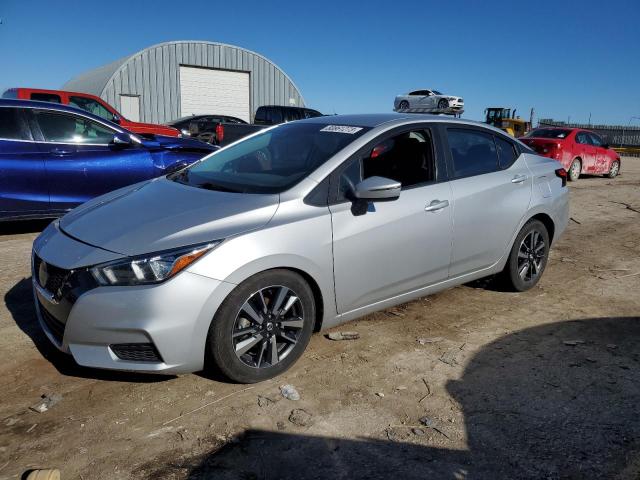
{"x": 544, "y": 384}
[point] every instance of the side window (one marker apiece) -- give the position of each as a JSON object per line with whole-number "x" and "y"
{"x": 407, "y": 158}
{"x": 582, "y": 138}
{"x": 293, "y": 114}
{"x": 46, "y": 97}
{"x": 473, "y": 152}
{"x": 11, "y": 125}
{"x": 507, "y": 153}
{"x": 274, "y": 116}
{"x": 596, "y": 140}
{"x": 64, "y": 128}
{"x": 91, "y": 106}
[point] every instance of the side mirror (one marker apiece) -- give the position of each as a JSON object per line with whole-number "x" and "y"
{"x": 121, "y": 140}
{"x": 377, "y": 189}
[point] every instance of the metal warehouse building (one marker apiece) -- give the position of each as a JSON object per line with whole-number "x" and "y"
{"x": 175, "y": 79}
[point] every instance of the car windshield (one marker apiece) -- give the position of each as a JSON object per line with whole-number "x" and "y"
{"x": 436, "y": 92}
{"x": 549, "y": 133}
{"x": 272, "y": 161}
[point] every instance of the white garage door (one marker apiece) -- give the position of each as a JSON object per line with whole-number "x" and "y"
{"x": 205, "y": 90}
{"x": 130, "y": 107}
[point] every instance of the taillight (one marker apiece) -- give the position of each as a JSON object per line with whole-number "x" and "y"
{"x": 562, "y": 174}
{"x": 219, "y": 132}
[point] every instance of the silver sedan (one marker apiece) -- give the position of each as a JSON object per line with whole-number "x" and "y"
{"x": 234, "y": 261}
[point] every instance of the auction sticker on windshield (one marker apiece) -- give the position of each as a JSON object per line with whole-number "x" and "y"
{"x": 341, "y": 129}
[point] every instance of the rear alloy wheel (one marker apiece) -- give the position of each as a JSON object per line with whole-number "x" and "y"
{"x": 443, "y": 104}
{"x": 403, "y": 105}
{"x": 614, "y": 169}
{"x": 575, "y": 169}
{"x": 263, "y": 327}
{"x": 528, "y": 257}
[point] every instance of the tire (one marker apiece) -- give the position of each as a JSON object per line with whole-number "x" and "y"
{"x": 443, "y": 104}
{"x": 52, "y": 474}
{"x": 614, "y": 169}
{"x": 403, "y": 105}
{"x": 255, "y": 307}
{"x": 574, "y": 170}
{"x": 521, "y": 254}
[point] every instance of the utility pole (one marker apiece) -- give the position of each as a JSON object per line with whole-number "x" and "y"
{"x": 589, "y": 118}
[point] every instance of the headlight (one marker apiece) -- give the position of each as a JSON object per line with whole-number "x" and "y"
{"x": 147, "y": 269}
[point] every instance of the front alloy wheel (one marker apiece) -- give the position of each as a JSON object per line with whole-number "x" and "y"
{"x": 267, "y": 326}
{"x": 262, "y": 327}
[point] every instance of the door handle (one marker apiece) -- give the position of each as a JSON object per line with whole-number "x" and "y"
{"x": 436, "y": 205}
{"x": 62, "y": 152}
{"x": 518, "y": 179}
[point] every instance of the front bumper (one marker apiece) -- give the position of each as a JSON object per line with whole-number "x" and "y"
{"x": 173, "y": 318}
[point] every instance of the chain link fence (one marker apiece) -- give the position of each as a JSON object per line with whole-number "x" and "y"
{"x": 614, "y": 135}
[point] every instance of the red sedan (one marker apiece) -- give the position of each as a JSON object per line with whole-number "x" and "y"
{"x": 579, "y": 151}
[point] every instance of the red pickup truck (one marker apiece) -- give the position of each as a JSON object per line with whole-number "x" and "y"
{"x": 92, "y": 104}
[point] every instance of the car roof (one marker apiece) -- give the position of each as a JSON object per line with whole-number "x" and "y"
{"x": 5, "y": 102}
{"x": 373, "y": 120}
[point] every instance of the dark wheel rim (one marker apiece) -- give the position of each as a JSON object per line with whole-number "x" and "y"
{"x": 531, "y": 256}
{"x": 404, "y": 105}
{"x": 443, "y": 104}
{"x": 268, "y": 326}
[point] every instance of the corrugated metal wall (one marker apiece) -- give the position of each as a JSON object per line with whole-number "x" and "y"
{"x": 153, "y": 74}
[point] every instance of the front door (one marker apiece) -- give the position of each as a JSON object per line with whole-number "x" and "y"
{"x": 491, "y": 192}
{"x": 388, "y": 248}
{"x": 601, "y": 164}
{"x": 82, "y": 162}
{"x": 586, "y": 151}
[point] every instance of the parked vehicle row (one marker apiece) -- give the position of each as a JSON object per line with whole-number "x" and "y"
{"x": 222, "y": 130}
{"x": 54, "y": 157}
{"x": 234, "y": 261}
{"x": 578, "y": 151}
{"x": 91, "y": 104}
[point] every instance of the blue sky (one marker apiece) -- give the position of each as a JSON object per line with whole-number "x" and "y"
{"x": 562, "y": 58}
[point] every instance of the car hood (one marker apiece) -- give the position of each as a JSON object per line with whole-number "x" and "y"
{"x": 161, "y": 214}
{"x": 162, "y": 142}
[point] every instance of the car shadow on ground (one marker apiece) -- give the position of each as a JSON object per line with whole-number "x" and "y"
{"x": 555, "y": 401}
{"x": 23, "y": 226}
{"x": 19, "y": 302}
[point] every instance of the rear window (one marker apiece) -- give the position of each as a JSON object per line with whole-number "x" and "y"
{"x": 549, "y": 133}
{"x": 11, "y": 127}
{"x": 46, "y": 97}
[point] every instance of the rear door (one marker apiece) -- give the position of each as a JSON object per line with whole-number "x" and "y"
{"x": 491, "y": 187}
{"x": 23, "y": 184}
{"x": 586, "y": 151}
{"x": 389, "y": 248}
{"x": 80, "y": 160}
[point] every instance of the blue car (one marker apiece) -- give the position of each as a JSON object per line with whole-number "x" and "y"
{"x": 54, "y": 157}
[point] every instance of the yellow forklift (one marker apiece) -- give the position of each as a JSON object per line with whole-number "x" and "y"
{"x": 506, "y": 120}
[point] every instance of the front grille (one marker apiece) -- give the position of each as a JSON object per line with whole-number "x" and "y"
{"x": 50, "y": 277}
{"x": 55, "y": 326}
{"x": 136, "y": 352}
